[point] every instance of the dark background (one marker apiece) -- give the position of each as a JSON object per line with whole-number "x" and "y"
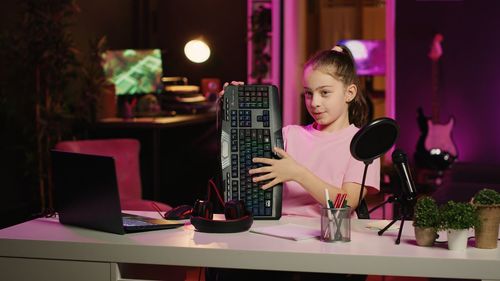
{"x": 188, "y": 153}
{"x": 469, "y": 88}
{"x": 469, "y": 85}
{"x": 169, "y": 25}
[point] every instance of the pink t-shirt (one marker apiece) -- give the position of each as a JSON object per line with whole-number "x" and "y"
{"x": 328, "y": 156}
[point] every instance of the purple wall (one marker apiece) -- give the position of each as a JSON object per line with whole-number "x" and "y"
{"x": 469, "y": 73}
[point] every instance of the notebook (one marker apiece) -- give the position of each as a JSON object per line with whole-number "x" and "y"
{"x": 86, "y": 195}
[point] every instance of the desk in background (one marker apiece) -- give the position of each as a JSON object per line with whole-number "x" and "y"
{"x": 173, "y": 149}
{"x": 44, "y": 249}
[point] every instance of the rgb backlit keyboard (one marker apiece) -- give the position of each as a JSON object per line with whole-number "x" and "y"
{"x": 251, "y": 127}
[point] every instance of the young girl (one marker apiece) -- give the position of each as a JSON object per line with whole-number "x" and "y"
{"x": 317, "y": 156}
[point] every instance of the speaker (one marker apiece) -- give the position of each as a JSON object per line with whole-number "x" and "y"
{"x": 238, "y": 218}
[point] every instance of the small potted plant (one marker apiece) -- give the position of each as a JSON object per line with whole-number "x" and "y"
{"x": 456, "y": 219}
{"x": 426, "y": 221}
{"x": 487, "y": 203}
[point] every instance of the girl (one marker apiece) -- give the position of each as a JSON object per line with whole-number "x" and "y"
{"x": 317, "y": 156}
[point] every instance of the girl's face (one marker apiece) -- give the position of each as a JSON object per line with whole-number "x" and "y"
{"x": 327, "y": 99}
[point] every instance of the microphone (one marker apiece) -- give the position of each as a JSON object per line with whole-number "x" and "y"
{"x": 400, "y": 162}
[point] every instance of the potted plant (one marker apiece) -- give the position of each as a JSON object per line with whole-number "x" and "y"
{"x": 426, "y": 221}
{"x": 261, "y": 28}
{"x": 99, "y": 94}
{"x": 40, "y": 70}
{"x": 487, "y": 203}
{"x": 456, "y": 219}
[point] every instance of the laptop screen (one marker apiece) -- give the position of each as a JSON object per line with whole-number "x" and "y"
{"x": 86, "y": 191}
{"x": 86, "y": 195}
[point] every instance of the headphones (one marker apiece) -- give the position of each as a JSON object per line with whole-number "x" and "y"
{"x": 238, "y": 218}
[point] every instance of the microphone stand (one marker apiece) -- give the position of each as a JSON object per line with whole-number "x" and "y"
{"x": 362, "y": 209}
{"x": 391, "y": 199}
{"x": 404, "y": 214}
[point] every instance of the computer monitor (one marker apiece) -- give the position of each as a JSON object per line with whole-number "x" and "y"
{"x": 369, "y": 55}
{"x": 134, "y": 71}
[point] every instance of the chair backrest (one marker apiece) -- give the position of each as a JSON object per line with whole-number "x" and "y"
{"x": 126, "y": 155}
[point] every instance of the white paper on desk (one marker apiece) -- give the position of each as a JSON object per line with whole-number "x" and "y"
{"x": 288, "y": 231}
{"x": 379, "y": 225}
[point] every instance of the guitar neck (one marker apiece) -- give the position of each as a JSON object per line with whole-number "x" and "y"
{"x": 435, "y": 90}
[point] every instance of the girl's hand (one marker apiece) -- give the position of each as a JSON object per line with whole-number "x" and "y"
{"x": 276, "y": 170}
{"x": 236, "y": 83}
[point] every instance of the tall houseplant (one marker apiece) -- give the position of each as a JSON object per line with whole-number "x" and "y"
{"x": 98, "y": 99}
{"x": 487, "y": 202}
{"x": 261, "y": 26}
{"x": 426, "y": 221}
{"x": 41, "y": 90}
{"x": 457, "y": 218}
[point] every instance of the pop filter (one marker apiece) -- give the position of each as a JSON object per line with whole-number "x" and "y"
{"x": 374, "y": 139}
{"x": 370, "y": 142}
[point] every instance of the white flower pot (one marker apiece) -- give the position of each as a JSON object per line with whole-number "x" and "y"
{"x": 457, "y": 239}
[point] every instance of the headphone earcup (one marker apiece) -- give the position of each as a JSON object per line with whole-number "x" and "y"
{"x": 203, "y": 209}
{"x": 222, "y": 226}
{"x": 238, "y": 219}
{"x": 234, "y": 209}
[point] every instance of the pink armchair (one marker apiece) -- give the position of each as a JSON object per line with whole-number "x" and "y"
{"x": 126, "y": 155}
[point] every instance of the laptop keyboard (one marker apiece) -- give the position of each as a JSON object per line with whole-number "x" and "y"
{"x": 128, "y": 222}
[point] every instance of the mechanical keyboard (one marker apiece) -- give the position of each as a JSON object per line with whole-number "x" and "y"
{"x": 251, "y": 127}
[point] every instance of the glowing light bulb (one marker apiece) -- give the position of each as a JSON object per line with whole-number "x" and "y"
{"x": 197, "y": 51}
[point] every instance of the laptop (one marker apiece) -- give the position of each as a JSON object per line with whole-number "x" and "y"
{"x": 86, "y": 195}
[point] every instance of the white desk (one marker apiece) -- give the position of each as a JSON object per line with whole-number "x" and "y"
{"x": 45, "y": 245}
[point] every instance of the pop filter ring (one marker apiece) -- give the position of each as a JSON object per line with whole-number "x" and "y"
{"x": 374, "y": 139}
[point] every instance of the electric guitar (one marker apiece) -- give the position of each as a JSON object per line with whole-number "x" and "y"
{"x": 435, "y": 147}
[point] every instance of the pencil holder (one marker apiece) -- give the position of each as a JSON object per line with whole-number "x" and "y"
{"x": 335, "y": 224}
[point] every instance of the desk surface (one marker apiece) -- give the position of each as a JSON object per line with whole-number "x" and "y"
{"x": 158, "y": 122}
{"x": 367, "y": 253}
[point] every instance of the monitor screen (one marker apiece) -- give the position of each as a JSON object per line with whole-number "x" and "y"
{"x": 369, "y": 55}
{"x": 134, "y": 71}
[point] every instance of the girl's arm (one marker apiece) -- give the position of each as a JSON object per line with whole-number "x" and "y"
{"x": 287, "y": 169}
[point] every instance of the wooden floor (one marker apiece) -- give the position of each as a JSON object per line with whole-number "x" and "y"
{"x": 394, "y": 278}
{"x": 180, "y": 273}
{"x": 197, "y": 274}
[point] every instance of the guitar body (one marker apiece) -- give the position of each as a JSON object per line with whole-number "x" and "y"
{"x": 439, "y": 137}
{"x": 435, "y": 148}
